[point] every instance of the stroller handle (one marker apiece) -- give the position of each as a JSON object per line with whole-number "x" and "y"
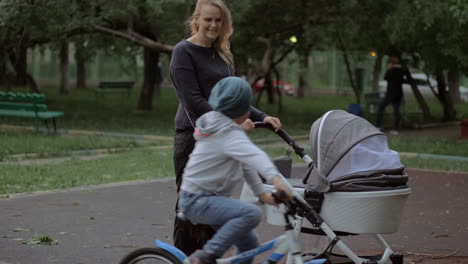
{"x": 297, "y": 149}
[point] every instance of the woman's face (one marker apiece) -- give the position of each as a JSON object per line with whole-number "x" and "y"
{"x": 209, "y": 23}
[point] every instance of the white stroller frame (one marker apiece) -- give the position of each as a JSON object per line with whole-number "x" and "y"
{"x": 316, "y": 219}
{"x": 319, "y": 223}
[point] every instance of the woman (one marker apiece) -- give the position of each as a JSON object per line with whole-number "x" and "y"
{"x": 197, "y": 64}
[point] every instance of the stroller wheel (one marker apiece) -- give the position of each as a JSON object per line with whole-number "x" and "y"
{"x": 396, "y": 258}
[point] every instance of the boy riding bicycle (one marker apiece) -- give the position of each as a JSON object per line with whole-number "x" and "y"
{"x": 223, "y": 156}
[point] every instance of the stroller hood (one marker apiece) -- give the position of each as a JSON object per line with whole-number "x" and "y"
{"x": 350, "y": 154}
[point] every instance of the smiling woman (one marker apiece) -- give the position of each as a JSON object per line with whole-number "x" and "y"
{"x": 211, "y": 26}
{"x": 197, "y": 64}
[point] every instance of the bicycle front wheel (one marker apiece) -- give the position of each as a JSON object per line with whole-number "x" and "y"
{"x": 150, "y": 256}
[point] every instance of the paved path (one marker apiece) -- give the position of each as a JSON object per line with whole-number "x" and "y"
{"x": 101, "y": 224}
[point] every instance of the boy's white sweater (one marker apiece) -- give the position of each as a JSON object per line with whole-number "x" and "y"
{"x": 223, "y": 156}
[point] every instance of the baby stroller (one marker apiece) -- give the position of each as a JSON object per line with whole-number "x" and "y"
{"x": 356, "y": 186}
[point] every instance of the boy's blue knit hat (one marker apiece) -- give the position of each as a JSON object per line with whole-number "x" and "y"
{"x": 232, "y": 96}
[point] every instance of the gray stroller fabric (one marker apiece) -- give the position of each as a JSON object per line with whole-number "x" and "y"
{"x": 284, "y": 164}
{"x": 333, "y": 136}
{"x": 372, "y": 182}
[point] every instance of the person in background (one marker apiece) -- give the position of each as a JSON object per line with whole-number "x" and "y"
{"x": 223, "y": 156}
{"x": 395, "y": 75}
{"x": 197, "y": 64}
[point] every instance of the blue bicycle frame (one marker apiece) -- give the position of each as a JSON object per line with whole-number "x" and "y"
{"x": 284, "y": 244}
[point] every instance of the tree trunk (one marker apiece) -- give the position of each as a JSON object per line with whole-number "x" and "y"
{"x": 21, "y": 77}
{"x": 80, "y": 65}
{"x": 303, "y": 69}
{"x": 350, "y": 76}
{"x": 453, "y": 78}
{"x": 151, "y": 60}
{"x": 278, "y": 89}
{"x": 376, "y": 72}
{"x": 266, "y": 68}
{"x": 268, "y": 87}
{"x": 18, "y": 59}
{"x": 444, "y": 97}
{"x": 32, "y": 84}
{"x": 420, "y": 99}
{"x": 348, "y": 69}
{"x": 64, "y": 77}
{"x": 3, "y": 69}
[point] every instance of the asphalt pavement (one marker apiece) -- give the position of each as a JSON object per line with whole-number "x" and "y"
{"x": 101, "y": 224}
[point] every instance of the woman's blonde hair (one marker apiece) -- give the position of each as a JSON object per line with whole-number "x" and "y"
{"x": 221, "y": 43}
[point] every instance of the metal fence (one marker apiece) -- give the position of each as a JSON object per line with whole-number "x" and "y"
{"x": 327, "y": 70}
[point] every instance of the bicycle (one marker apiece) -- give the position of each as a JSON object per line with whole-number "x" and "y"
{"x": 285, "y": 244}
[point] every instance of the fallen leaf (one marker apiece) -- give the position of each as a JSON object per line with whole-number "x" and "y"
{"x": 19, "y": 229}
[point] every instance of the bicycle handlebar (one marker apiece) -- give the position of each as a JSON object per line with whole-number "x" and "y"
{"x": 279, "y": 196}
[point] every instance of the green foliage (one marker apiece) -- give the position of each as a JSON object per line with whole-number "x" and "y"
{"x": 269, "y": 19}
{"x": 435, "y": 30}
{"x": 39, "y": 240}
{"x": 37, "y": 20}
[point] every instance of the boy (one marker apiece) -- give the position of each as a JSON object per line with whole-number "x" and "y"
{"x": 222, "y": 156}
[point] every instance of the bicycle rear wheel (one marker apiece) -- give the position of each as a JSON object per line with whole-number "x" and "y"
{"x": 150, "y": 256}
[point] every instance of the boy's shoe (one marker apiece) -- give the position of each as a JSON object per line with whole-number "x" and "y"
{"x": 393, "y": 132}
{"x": 201, "y": 257}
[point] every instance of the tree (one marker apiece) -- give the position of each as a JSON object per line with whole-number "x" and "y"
{"x": 435, "y": 32}
{"x": 26, "y": 24}
{"x": 265, "y": 28}
{"x": 144, "y": 23}
{"x": 64, "y": 75}
{"x": 32, "y": 23}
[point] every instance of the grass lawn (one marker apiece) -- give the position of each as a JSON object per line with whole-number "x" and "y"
{"x": 142, "y": 163}
{"x": 141, "y": 159}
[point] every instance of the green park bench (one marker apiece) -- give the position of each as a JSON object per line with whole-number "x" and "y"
{"x": 114, "y": 87}
{"x": 27, "y": 105}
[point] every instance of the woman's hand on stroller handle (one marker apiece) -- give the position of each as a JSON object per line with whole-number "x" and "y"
{"x": 281, "y": 133}
{"x": 273, "y": 121}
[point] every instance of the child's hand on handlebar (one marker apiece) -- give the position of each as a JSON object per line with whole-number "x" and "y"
{"x": 248, "y": 125}
{"x": 267, "y": 198}
{"x": 280, "y": 186}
